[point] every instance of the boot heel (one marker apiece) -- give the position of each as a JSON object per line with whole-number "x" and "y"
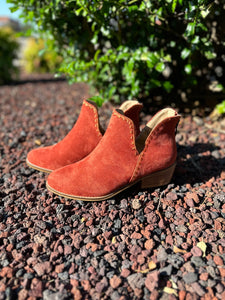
{"x": 158, "y": 178}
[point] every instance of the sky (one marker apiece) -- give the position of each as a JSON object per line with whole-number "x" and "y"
{"x": 5, "y": 11}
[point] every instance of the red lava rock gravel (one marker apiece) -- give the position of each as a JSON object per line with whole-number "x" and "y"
{"x": 163, "y": 243}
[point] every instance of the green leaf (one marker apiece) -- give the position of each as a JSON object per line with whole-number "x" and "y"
{"x": 188, "y": 69}
{"x": 160, "y": 67}
{"x": 98, "y": 100}
{"x": 195, "y": 40}
{"x": 190, "y": 30}
{"x": 159, "y": 12}
{"x": 96, "y": 54}
{"x": 221, "y": 107}
{"x": 132, "y": 1}
{"x": 172, "y": 44}
{"x": 13, "y": 9}
{"x": 192, "y": 7}
{"x": 130, "y": 65}
{"x": 202, "y": 26}
{"x": 155, "y": 83}
{"x": 28, "y": 32}
{"x": 219, "y": 87}
{"x": 185, "y": 53}
{"x": 111, "y": 92}
{"x": 174, "y": 4}
{"x": 78, "y": 11}
{"x": 167, "y": 58}
{"x": 144, "y": 56}
{"x": 210, "y": 55}
{"x": 168, "y": 86}
{"x": 132, "y": 8}
{"x": 206, "y": 11}
{"x": 150, "y": 64}
{"x": 122, "y": 56}
{"x": 151, "y": 59}
{"x": 135, "y": 87}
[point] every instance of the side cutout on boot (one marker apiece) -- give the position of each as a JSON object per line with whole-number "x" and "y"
{"x": 156, "y": 119}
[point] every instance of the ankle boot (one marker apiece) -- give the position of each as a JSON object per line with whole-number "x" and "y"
{"x": 121, "y": 160}
{"x": 80, "y": 141}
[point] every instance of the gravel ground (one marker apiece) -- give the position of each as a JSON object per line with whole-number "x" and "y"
{"x": 166, "y": 243}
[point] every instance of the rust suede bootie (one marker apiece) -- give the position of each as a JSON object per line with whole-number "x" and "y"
{"x": 121, "y": 159}
{"x": 80, "y": 141}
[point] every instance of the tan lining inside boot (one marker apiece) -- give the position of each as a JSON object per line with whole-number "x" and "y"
{"x": 128, "y": 104}
{"x": 156, "y": 119}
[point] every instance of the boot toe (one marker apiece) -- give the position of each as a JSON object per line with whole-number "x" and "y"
{"x": 59, "y": 181}
{"x": 40, "y": 159}
{"x": 71, "y": 182}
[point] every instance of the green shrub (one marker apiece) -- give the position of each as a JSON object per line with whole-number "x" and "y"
{"x": 221, "y": 107}
{"x": 8, "y": 54}
{"x": 38, "y": 59}
{"x": 133, "y": 48}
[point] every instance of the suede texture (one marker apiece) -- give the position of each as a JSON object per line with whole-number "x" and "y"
{"x": 115, "y": 162}
{"x": 160, "y": 149}
{"x": 108, "y": 167}
{"x": 133, "y": 113}
{"x": 78, "y": 143}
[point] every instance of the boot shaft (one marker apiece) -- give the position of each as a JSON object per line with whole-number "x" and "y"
{"x": 156, "y": 143}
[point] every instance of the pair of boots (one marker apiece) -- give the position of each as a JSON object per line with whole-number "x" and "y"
{"x": 91, "y": 165}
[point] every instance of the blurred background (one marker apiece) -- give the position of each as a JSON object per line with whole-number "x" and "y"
{"x": 160, "y": 52}
{"x": 23, "y": 46}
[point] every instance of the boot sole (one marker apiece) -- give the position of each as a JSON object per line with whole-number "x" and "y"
{"x": 37, "y": 167}
{"x": 155, "y": 179}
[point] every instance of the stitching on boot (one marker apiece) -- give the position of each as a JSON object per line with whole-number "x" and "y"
{"x": 133, "y": 146}
{"x": 148, "y": 140}
{"x": 138, "y": 165}
{"x": 95, "y": 117}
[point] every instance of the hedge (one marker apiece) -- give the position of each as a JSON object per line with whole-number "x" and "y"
{"x": 134, "y": 48}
